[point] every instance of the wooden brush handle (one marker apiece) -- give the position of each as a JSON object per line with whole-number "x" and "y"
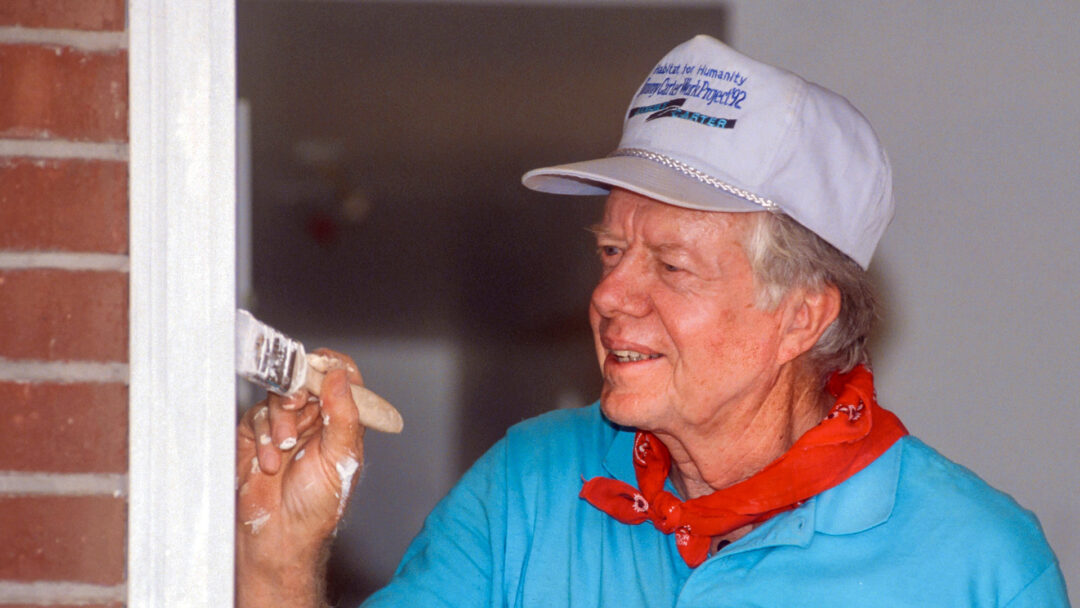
{"x": 375, "y": 412}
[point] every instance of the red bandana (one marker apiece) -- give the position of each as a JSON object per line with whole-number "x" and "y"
{"x": 856, "y": 431}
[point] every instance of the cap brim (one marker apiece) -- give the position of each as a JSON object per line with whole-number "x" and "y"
{"x": 640, "y": 175}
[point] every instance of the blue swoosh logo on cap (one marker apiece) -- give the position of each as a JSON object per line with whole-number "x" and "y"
{"x": 674, "y": 109}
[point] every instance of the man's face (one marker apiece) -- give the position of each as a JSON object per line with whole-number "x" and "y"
{"x": 677, "y": 333}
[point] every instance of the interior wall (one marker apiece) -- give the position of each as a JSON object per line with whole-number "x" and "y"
{"x": 387, "y": 145}
{"x": 977, "y": 346}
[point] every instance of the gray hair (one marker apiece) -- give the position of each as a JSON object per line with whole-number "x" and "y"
{"x": 783, "y": 254}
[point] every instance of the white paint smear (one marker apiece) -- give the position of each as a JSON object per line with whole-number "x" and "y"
{"x": 299, "y": 454}
{"x": 346, "y": 469}
{"x": 259, "y": 521}
{"x": 288, "y": 443}
{"x": 322, "y": 363}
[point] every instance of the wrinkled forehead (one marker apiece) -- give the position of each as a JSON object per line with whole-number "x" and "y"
{"x": 630, "y": 215}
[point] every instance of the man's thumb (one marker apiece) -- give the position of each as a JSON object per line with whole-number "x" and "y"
{"x": 341, "y": 424}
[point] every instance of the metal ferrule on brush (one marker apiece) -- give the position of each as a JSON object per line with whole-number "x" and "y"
{"x": 268, "y": 357}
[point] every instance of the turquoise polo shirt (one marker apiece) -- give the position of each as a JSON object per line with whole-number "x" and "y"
{"x": 911, "y": 529}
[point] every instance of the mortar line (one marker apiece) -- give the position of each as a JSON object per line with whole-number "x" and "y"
{"x": 62, "y": 148}
{"x": 63, "y": 372}
{"x": 51, "y": 593}
{"x": 17, "y": 483}
{"x": 78, "y": 39}
{"x": 62, "y": 260}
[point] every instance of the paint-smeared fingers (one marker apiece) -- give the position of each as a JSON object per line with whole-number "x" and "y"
{"x": 244, "y": 430}
{"x": 341, "y": 443}
{"x": 291, "y": 402}
{"x": 342, "y": 431}
{"x": 308, "y": 416}
{"x": 268, "y": 455}
{"x": 246, "y": 462}
{"x": 336, "y": 360}
{"x": 283, "y": 417}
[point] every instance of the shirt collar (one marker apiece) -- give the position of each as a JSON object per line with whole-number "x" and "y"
{"x": 865, "y": 500}
{"x": 618, "y": 461}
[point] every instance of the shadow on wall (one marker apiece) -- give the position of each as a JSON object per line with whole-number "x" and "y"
{"x": 388, "y": 141}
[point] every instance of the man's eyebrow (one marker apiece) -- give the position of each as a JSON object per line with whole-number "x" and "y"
{"x": 602, "y": 231}
{"x": 672, "y": 248}
{"x": 599, "y": 230}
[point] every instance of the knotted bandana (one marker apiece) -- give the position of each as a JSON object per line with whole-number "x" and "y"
{"x": 854, "y": 433}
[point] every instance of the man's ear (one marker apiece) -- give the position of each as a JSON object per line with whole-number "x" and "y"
{"x": 807, "y": 315}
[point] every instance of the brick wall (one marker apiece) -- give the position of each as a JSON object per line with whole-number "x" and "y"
{"x": 63, "y": 302}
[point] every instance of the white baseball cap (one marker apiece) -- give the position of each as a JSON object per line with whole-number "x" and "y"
{"x": 713, "y": 129}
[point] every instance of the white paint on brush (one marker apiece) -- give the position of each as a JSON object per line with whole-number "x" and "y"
{"x": 346, "y": 468}
{"x": 264, "y": 355}
{"x": 322, "y": 363}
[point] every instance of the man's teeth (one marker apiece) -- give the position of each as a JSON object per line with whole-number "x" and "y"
{"x": 625, "y": 356}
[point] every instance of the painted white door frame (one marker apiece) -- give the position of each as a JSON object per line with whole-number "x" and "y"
{"x": 182, "y": 101}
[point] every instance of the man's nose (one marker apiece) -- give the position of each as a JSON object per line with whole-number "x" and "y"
{"x": 623, "y": 290}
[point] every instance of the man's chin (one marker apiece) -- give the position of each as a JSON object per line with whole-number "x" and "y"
{"x": 626, "y": 409}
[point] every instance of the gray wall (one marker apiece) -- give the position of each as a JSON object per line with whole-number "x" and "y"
{"x": 976, "y": 104}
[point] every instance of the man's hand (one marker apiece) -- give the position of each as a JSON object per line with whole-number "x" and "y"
{"x": 297, "y": 460}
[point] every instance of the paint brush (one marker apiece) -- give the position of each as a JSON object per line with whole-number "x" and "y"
{"x": 279, "y": 364}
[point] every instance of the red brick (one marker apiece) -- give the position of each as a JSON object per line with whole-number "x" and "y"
{"x": 63, "y": 205}
{"x": 61, "y": 315}
{"x": 62, "y": 538}
{"x": 64, "y": 14}
{"x": 60, "y": 605}
{"x": 64, "y": 428}
{"x": 64, "y": 93}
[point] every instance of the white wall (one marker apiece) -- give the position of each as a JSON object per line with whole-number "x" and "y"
{"x": 976, "y": 104}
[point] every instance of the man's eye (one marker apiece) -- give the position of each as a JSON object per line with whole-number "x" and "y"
{"x": 670, "y": 267}
{"x": 607, "y": 251}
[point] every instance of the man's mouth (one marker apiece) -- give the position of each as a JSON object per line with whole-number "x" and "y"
{"x": 628, "y": 356}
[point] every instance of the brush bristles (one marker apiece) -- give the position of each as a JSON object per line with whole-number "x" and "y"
{"x": 266, "y": 356}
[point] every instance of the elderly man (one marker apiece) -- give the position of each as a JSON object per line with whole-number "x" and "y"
{"x": 738, "y": 455}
